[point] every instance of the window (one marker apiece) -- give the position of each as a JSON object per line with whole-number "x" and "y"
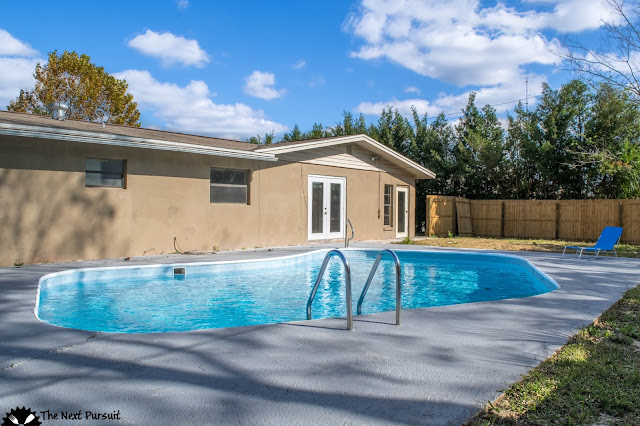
{"x": 229, "y": 186}
{"x": 101, "y": 172}
{"x": 388, "y": 197}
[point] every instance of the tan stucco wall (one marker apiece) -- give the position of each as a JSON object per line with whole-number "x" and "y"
{"x": 48, "y": 214}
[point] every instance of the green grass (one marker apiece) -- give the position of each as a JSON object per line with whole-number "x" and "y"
{"x": 626, "y": 250}
{"x": 595, "y": 377}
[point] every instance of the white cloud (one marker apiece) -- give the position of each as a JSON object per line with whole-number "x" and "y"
{"x": 412, "y": 89}
{"x": 190, "y": 109}
{"x": 171, "y": 49}
{"x": 567, "y": 16}
{"x": 316, "y": 81}
{"x": 17, "y": 63}
{"x": 404, "y": 106}
{"x": 17, "y": 73}
{"x": 501, "y": 97}
{"x": 182, "y": 4}
{"x": 260, "y": 84}
{"x": 463, "y": 43}
{"x": 11, "y": 46}
{"x": 299, "y": 65}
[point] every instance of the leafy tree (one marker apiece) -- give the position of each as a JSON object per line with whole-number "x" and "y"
{"x": 479, "y": 153}
{"x": 464, "y": 159}
{"x": 434, "y": 143}
{"x": 350, "y": 125}
{"x": 395, "y": 131}
{"x": 433, "y": 150}
{"x": 613, "y": 64}
{"x": 561, "y": 117}
{"x": 318, "y": 131}
{"x": 268, "y": 139}
{"x": 522, "y": 176}
{"x": 91, "y": 93}
{"x": 294, "y": 135}
{"x": 613, "y": 132}
{"x": 491, "y": 155}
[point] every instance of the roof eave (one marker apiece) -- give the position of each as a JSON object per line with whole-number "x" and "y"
{"x": 11, "y": 129}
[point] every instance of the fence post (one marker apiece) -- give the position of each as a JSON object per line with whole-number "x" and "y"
{"x": 427, "y": 228}
{"x": 620, "y": 214}
{"x": 503, "y": 213}
{"x": 455, "y": 216}
{"x": 620, "y": 209}
{"x": 557, "y": 220}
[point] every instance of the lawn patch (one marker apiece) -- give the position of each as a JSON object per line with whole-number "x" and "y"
{"x": 595, "y": 376}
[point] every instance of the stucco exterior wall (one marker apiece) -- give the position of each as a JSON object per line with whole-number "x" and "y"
{"x": 48, "y": 214}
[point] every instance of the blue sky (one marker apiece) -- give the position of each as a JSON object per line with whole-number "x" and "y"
{"x": 237, "y": 69}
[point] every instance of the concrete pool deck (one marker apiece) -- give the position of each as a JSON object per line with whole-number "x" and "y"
{"x": 439, "y": 367}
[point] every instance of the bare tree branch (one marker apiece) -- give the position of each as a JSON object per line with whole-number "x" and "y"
{"x": 617, "y": 60}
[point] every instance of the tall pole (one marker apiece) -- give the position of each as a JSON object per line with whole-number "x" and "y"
{"x": 526, "y": 93}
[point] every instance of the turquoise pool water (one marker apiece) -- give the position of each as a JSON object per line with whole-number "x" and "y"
{"x": 228, "y": 294}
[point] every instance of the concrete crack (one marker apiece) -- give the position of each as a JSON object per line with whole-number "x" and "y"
{"x": 64, "y": 348}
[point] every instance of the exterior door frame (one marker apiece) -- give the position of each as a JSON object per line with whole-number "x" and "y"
{"x": 327, "y": 181}
{"x": 402, "y": 210}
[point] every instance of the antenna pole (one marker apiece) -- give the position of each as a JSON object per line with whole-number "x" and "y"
{"x": 526, "y": 93}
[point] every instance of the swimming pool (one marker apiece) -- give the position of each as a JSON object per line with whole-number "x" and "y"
{"x": 153, "y": 298}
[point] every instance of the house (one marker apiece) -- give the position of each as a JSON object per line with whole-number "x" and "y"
{"x": 78, "y": 190}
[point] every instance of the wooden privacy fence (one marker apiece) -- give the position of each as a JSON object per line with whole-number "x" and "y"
{"x": 580, "y": 220}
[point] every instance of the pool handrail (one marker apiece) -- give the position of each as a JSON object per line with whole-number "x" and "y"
{"x": 353, "y": 232}
{"x": 396, "y": 261}
{"x": 347, "y": 269}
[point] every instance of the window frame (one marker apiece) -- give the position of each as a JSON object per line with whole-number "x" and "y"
{"x": 247, "y": 174}
{"x": 123, "y": 177}
{"x": 387, "y": 217}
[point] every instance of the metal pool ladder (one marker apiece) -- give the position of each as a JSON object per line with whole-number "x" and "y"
{"x": 398, "y": 282}
{"x": 353, "y": 232}
{"x": 347, "y": 270}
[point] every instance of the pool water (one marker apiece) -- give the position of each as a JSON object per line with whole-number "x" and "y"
{"x": 229, "y": 294}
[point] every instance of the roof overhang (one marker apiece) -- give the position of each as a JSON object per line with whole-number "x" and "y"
{"x": 128, "y": 141}
{"x": 409, "y": 166}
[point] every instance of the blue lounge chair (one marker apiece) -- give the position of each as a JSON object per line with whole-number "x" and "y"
{"x": 607, "y": 241}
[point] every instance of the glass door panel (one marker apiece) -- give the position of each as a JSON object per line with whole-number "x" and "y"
{"x": 402, "y": 216}
{"x": 317, "y": 208}
{"x": 335, "y": 208}
{"x": 326, "y": 207}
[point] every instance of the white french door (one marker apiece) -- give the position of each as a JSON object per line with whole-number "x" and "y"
{"x": 402, "y": 213}
{"x": 326, "y": 207}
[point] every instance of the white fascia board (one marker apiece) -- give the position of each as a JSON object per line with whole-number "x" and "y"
{"x": 127, "y": 141}
{"x": 412, "y": 164}
{"x": 310, "y": 145}
{"x": 407, "y": 164}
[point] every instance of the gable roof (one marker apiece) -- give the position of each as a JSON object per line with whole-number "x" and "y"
{"x": 41, "y": 126}
{"x": 408, "y": 166}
